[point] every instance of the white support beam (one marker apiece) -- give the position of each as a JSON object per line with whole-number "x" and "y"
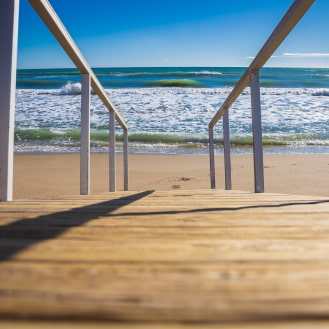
{"x": 112, "y": 153}
{"x": 227, "y": 151}
{"x": 125, "y": 160}
{"x": 9, "y": 10}
{"x": 257, "y": 132}
{"x": 212, "y": 159}
{"x": 85, "y": 136}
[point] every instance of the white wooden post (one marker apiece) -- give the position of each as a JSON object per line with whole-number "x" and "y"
{"x": 257, "y": 132}
{"x": 212, "y": 159}
{"x": 9, "y": 10}
{"x": 125, "y": 160}
{"x": 85, "y": 136}
{"x": 112, "y": 153}
{"x": 227, "y": 150}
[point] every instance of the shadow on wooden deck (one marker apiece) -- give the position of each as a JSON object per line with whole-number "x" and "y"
{"x": 205, "y": 210}
{"x": 30, "y": 231}
{"x": 34, "y": 230}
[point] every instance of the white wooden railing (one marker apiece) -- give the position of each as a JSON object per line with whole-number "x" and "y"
{"x": 8, "y": 57}
{"x": 251, "y": 76}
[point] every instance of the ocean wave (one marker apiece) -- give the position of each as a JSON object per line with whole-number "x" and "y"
{"x": 101, "y": 137}
{"x": 207, "y": 73}
{"x": 174, "y": 83}
{"x": 160, "y": 74}
{"x": 207, "y": 77}
{"x": 175, "y": 117}
{"x": 71, "y": 89}
{"x": 46, "y": 135}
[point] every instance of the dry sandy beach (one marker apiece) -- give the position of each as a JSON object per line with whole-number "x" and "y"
{"x": 51, "y": 175}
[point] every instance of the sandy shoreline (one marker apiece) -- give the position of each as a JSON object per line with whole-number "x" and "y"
{"x": 51, "y": 175}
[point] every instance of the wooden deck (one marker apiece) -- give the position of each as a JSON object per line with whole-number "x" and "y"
{"x": 165, "y": 259}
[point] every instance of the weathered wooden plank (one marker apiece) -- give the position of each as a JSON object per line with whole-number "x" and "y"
{"x": 172, "y": 256}
{"x": 190, "y": 232}
{"x": 155, "y": 325}
{"x": 163, "y": 250}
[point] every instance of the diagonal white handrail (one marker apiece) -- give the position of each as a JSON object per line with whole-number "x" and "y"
{"x": 251, "y": 76}
{"x": 57, "y": 28}
{"x": 8, "y": 40}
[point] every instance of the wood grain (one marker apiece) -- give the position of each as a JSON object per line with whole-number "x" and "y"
{"x": 229, "y": 257}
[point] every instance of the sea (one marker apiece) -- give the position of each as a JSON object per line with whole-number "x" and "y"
{"x": 168, "y": 110}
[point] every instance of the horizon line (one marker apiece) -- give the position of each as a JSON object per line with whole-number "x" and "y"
{"x": 163, "y": 67}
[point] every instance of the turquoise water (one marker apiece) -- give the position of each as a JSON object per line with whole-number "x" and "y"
{"x": 205, "y": 77}
{"x": 168, "y": 109}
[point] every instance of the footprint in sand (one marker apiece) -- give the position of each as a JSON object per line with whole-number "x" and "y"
{"x": 185, "y": 179}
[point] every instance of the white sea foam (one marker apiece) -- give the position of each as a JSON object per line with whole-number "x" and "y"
{"x": 207, "y": 73}
{"x": 301, "y": 112}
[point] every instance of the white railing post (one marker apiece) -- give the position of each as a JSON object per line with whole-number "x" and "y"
{"x": 112, "y": 153}
{"x": 212, "y": 159}
{"x": 9, "y": 10}
{"x": 285, "y": 26}
{"x": 257, "y": 132}
{"x": 125, "y": 160}
{"x": 227, "y": 150}
{"x": 85, "y": 136}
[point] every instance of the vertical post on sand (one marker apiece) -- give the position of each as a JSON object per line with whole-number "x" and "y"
{"x": 112, "y": 153}
{"x": 85, "y": 136}
{"x": 125, "y": 160}
{"x": 257, "y": 132}
{"x": 212, "y": 158}
{"x": 9, "y": 10}
{"x": 227, "y": 150}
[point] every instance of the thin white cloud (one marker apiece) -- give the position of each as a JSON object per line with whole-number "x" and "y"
{"x": 299, "y": 55}
{"x": 304, "y": 55}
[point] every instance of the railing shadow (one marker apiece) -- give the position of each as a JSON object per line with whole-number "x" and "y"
{"x": 222, "y": 209}
{"x": 26, "y": 232}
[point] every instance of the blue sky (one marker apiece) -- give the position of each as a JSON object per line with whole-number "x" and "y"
{"x": 112, "y": 33}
